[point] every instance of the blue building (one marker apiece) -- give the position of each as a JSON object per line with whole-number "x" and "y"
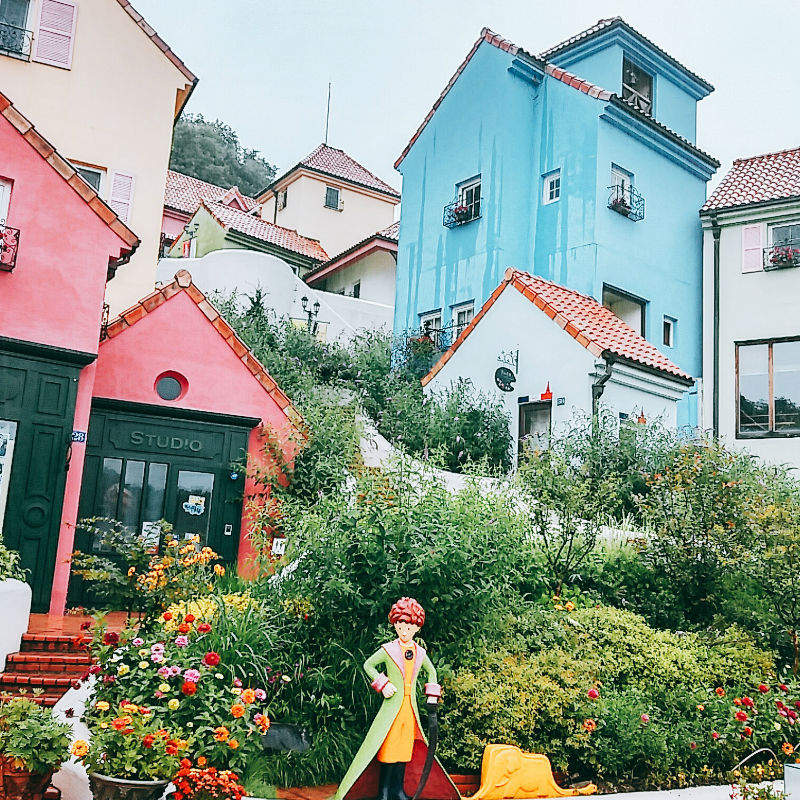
{"x": 593, "y": 182}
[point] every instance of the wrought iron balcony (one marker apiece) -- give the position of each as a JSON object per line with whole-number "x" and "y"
{"x": 627, "y": 201}
{"x": 782, "y": 256}
{"x": 9, "y": 244}
{"x": 15, "y": 41}
{"x": 456, "y": 213}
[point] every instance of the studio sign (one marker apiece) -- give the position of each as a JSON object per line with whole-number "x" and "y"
{"x": 505, "y": 379}
{"x": 165, "y": 441}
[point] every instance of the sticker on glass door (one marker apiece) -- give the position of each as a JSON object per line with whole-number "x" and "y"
{"x": 193, "y": 502}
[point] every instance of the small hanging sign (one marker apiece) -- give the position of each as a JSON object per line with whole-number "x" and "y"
{"x": 505, "y": 379}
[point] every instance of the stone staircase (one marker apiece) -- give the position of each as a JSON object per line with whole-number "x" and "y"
{"x": 45, "y": 667}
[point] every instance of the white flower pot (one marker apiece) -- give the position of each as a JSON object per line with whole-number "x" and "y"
{"x": 15, "y": 600}
{"x": 791, "y": 781}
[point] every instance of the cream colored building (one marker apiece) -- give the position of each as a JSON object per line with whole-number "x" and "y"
{"x": 106, "y": 90}
{"x": 330, "y": 197}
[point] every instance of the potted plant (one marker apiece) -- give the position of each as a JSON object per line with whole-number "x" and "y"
{"x": 784, "y": 256}
{"x": 461, "y": 213}
{"x": 130, "y": 756}
{"x": 33, "y": 744}
{"x": 621, "y": 205}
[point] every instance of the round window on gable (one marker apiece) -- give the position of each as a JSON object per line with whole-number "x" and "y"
{"x": 170, "y": 386}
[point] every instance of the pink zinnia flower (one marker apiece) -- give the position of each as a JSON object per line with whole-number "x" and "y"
{"x": 645, "y": 719}
{"x": 261, "y": 694}
{"x": 157, "y": 658}
{"x": 174, "y": 670}
{"x": 181, "y": 641}
{"x": 192, "y": 675}
{"x": 138, "y": 642}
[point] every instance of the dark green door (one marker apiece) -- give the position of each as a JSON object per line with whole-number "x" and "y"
{"x": 37, "y": 409}
{"x": 143, "y": 467}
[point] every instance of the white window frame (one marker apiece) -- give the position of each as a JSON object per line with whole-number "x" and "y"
{"x": 639, "y": 100}
{"x": 431, "y": 316}
{"x": 5, "y": 199}
{"x": 623, "y": 178}
{"x": 551, "y": 187}
{"x": 463, "y": 188}
{"x": 669, "y": 324}
{"x": 338, "y": 206}
{"x": 460, "y": 309}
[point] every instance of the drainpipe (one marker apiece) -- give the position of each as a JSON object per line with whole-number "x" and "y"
{"x": 715, "y": 230}
{"x": 598, "y": 387}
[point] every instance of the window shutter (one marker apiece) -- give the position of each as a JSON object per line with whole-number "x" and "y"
{"x": 752, "y": 248}
{"x": 56, "y": 33}
{"x": 120, "y": 198}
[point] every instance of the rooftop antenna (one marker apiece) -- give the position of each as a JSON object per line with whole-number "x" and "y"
{"x": 328, "y": 113}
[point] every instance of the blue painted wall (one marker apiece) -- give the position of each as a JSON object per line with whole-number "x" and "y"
{"x": 512, "y": 132}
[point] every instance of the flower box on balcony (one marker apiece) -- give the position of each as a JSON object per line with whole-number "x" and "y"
{"x": 620, "y": 206}
{"x": 782, "y": 257}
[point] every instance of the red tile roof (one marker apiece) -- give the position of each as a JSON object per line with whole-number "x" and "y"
{"x": 336, "y": 163}
{"x": 183, "y": 95}
{"x": 563, "y": 76}
{"x": 385, "y": 239}
{"x": 604, "y": 25}
{"x": 592, "y": 325}
{"x": 759, "y": 179}
{"x": 257, "y": 228}
{"x": 63, "y": 167}
{"x": 184, "y": 193}
{"x": 183, "y": 283}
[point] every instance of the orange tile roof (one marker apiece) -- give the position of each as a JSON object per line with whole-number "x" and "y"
{"x": 183, "y": 283}
{"x": 758, "y": 179}
{"x": 184, "y": 193}
{"x": 592, "y": 325}
{"x": 565, "y": 77}
{"x": 257, "y": 228}
{"x": 336, "y": 163}
{"x": 63, "y": 167}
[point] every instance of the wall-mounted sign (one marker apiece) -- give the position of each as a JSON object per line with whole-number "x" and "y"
{"x": 278, "y": 546}
{"x": 505, "y": 379}
{"x": 78, "y": 436}
{"x": 561, "y": 401}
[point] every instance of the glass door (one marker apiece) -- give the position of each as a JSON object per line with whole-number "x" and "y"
{"x": 193, "y": 499}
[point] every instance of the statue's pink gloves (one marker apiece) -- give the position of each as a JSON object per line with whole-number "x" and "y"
{"x": 379, "y": 682}
{"x": 433, "y": 691}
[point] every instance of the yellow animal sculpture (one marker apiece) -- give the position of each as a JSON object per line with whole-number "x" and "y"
{"x": 509, "y": 774}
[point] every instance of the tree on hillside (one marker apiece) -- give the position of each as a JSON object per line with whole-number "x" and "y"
{"x": 211, "y": 152}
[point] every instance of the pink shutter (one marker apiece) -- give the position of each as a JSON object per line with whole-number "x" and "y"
{"x": 120, "y": 198}
{"x": 56, "y": 33}
{"x": 752, "y": 254}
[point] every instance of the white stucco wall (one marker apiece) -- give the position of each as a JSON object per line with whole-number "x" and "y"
{"x": 241, "y": 272}
{"x": 362, "y": 212}
{"x": 114, "y": 109}
{"x": 376, "y": 273}
{"x": 549, "y": 354}
{"x": 753, "y": 305}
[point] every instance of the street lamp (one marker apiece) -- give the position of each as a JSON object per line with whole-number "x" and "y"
{"x": 311, "y": 313}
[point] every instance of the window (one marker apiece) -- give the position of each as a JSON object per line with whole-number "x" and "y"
{"x": 621, "y": 182}
{"x": 13, "y": 22}
{"x": 785, "y": 234}
{"x": 430, "y": 327}
{"x": 171, "y": 386}
{"x": 331, "y": 198}
{"x": 552, "y": 187}
{"x": 534, "y": 426}
{"x": 784, "y": 249}
{"x": 357, "y": 289}
{"x": 637, "y": 86}
{"x": 469, "y": 197}
{"x": 768, "y": 379}
{"x": 282, "y": 199}
{"x": 5, "y": 198}
{"x": 669, "y": 331}
{"x": 462, "y": 316}
{"x": 627, "y": 307}
{"x": 92, "y": 175}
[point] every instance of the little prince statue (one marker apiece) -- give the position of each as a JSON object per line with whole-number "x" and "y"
{"x": 389, "y": 763}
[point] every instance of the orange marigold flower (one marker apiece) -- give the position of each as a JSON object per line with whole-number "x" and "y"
{"x": 80, "y": 748}
{"x": 202, "y": 761}
{"x": 237, "y": 710}
{"x": 184, "y": 627}
{"x": 121, "y": 722}
{"x": 788, "y": 748}
{"x": 248, "y": 696}
{"x": 720, "y": 691}
{"x": 221, "y": 733}
{"x": 589, "y": 725}
{"x": 233, "y": 744}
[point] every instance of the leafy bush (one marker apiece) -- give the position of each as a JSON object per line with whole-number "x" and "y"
{"x": 10, "y": 566}
{"x": 31, "y": 736}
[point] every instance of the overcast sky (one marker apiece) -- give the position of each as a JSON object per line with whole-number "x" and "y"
{"x": 264, "y": 65}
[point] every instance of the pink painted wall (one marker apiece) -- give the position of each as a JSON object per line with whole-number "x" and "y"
{"x": 172, "y": 223}
{"x": 178, "y": 337}
{"x": 55, "y": 294}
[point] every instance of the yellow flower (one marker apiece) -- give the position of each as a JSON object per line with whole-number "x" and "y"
{"x": 144, "y": 652}
{"x": 129, "y": 707}
{"x": 124, "y": 669}
{"x": 143, "y": 665}
{"x": 173, "y": 704}
{"x": 103, "y": 724}
{"x": 569, "y": 605}
{"x": 131, "y": 571}
{"x": 101, "y": 705}
{"x": 219, "y": 570}
{"x": 163, "y": 687}
{"x": 80, "y": 748}
{"x": 701, "y": 707}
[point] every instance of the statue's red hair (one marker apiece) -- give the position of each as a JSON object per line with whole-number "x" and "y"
{"x": 407, "y": 609}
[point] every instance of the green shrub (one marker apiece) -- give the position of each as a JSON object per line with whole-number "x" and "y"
{"x": 10, "y": 566}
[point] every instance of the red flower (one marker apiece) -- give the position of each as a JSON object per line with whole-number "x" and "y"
{"x": 185, "y": 763}
{"x": 94, "y": 669}
{"x": 171, "y": 748}
{"x": 148, "y": 740}
{"x": 86, "y": 625}
{"x": 212, "y": 659}
{"x": 741, "y": 716}
{"x": 763, "y": 688}
{"x": 203, "y": 627}
{"x": 783, "y": 687}
{"x": 714, "y": 735}
{"x": 184, "y": 627}
{"x": 593, "y": 694}
{"x": 797, "y": 703}
{"x": 748, "y": 731}
{"x": 111, "y": 637}
{"x": 189, "y": 688}
{"x": 189, "y": 618}
{"x": 167, "y": 616}
{"x": 720, "y": 691}
{"x": 748, "y": 701}
{"x": 693, "y": 745}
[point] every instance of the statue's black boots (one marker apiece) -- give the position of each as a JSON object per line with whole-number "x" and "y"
{"x": 385, "y": 781}
{"x": 398, "y": 776}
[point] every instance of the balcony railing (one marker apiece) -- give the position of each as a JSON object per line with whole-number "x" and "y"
{"x": 9, "y": 244}
{"x": 782, "y": 256}
{"x": 456, "y": 213}
{"x": 627, "y": 201}
{"x": 15, "y": 41}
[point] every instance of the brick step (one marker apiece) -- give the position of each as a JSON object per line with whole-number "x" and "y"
{"x": 51, "y": 642}
{"x": 50, "y": 663}
{"x": 12, "y": 681}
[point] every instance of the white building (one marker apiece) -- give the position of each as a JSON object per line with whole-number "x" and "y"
{"x": 751, "y": 306}
{"x": 242, "y": 273}
{"x": 366, "y": 270}
{"x": 549, "y": 352}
